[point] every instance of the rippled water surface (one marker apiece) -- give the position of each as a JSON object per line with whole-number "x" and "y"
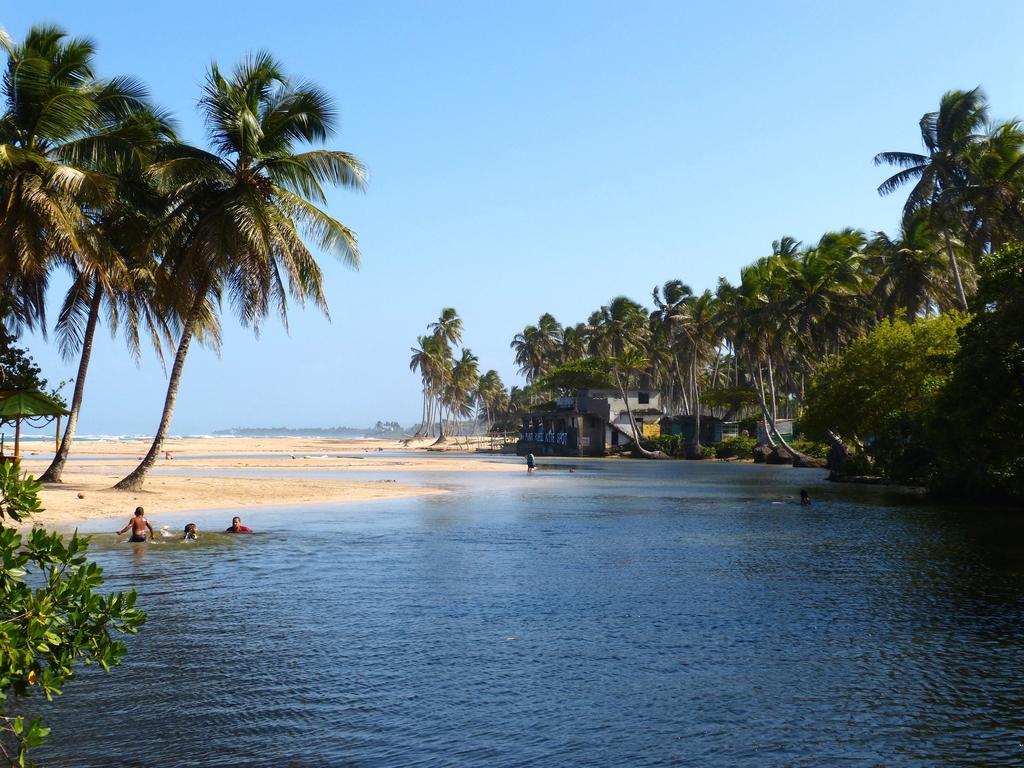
{"x": 624, "y": 614}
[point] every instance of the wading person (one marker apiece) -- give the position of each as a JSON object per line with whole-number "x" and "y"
{"x": 237, "y": 527}
{"x": 139, "y": 524}
{"x": 531, "y": 463}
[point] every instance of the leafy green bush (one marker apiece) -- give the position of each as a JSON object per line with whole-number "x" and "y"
{"x": 735, "y": 446}
{"x": 46, "y": 629}
{"x": 811, "y": 448}
{"x": 672, "y": 445}
{"x": 978, "y": 431}
{"x": 882, "y": 394}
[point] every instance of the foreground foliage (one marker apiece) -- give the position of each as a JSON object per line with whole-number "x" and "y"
{"x": 52, "y": 616}
{"x": 881, "y": 395}
{"x": 979, "y": 434}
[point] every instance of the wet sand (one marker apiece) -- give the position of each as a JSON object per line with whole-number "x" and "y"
{"x": 86, "y": 492}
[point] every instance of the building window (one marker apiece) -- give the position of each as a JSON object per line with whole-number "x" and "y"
{"x": 643, "y": 398}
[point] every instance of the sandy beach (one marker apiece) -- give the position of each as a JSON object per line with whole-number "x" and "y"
{"x": 86, "y": 492}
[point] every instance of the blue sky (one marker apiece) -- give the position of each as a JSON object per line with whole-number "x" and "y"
{"x": 533, "y": 156}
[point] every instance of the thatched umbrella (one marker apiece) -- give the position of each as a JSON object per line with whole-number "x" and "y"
{"x": 31, "y": 405}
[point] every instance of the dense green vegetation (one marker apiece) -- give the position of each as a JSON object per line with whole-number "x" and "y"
{"x": 855, "y": 335}
{"x": 882, "y": 395}
{"x": 52, "y": 617}
{"x": 978, "y": 432}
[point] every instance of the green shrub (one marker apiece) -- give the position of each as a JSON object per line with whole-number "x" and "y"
{"x": 52, "y": 615}
{"x": 811, "y": 448}
{"x": 736, "y": 446}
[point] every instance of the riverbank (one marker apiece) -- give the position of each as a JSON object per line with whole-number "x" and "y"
{"x": 206, "y": 475}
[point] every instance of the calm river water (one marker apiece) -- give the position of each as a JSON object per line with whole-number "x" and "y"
{"x": 625, "y": 614}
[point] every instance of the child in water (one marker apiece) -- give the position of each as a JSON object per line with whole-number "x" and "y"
{"x": 191, "y": 532}
{"x": 805, "y": 498}
{"x": 139, "y": 524}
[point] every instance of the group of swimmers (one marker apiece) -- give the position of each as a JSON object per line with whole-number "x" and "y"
{"x": 139, "y": 525}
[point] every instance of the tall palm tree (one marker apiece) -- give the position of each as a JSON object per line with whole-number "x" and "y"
{"x": 459, "y": 395}
{"x": 239, "y": 212}
{"x": 621, "y": 334}
{"x": 941, "y": 176}
{"x": 116, "y": 274}
{"x": 700, "y": 325}
{"x": 912, "y": 274}
{"x": 56, "y": 114}
{"x": 994, "y": 197}
{"x": 490, "y": 393}
{"x": 669, "y": 301}
{"x": 538, "y": 347}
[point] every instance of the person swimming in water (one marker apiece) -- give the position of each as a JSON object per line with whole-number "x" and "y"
{"x": 237, "y": 527}
{"x": 805, "y": 498}
{"x": 191, "y": 532}
{"x": 139, "y": 524}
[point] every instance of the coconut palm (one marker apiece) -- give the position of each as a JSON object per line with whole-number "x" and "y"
{"x": 239, "y": 213}
{"x": 538, "y": 347}
{"x": 941, "y": 176}
{"x": 993, "y": 203}
{"x": 490, "y": 396}
{"x": 912, "y": 273}
{"x": 669, "y": 300}
{"x": 57, "y": 118}
{"x": 116, "y": 277}
{"x": 700, "y": 325}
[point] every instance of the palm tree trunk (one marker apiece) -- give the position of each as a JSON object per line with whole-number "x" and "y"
{"x": 134, "y": 480}
{"x": 696, "y": 407}
{"x": 955, "y": 270}
{"x": 629, "y": 415}
{"x": 55, "y": 470}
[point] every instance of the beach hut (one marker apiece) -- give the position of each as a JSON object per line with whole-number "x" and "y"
{"x": 31, "y": 406}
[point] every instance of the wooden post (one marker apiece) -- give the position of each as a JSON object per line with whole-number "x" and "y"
{"x": 17, "y": 440}
{"x": 56, "y": 436}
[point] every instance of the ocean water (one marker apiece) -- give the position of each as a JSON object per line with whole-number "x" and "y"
{"x": 622, "y": 614}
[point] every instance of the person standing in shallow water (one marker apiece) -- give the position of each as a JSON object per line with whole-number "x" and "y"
{"x": 237, "y": 527}
{"x": 139, "y": 524}
{"x": 531, "y": 463}
{"x": 805, "y": 498}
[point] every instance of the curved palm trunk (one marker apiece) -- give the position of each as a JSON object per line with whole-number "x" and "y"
{"x": 56, "y": 469}
{"x": 955, "y": 270}
{"x": 134, "y": 481}
{"x": 629, "y": 415}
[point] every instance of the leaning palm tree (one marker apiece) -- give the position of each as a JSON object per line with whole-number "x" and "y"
{"x": 115, "y": 276}
{"x": 239, "y": 213}
{"x": 941, "y": 176}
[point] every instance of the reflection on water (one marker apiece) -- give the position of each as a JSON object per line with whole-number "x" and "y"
{"x": 627, "y": 613}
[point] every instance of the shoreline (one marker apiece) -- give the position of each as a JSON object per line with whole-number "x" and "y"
{"x": 208, "y": 474}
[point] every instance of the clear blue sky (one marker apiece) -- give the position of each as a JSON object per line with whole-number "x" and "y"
{"x": 535, "y": 156}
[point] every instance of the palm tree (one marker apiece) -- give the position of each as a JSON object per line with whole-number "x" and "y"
{"x": 699, "y": 324}
{"x": 941, "y": 176}
{"x": 446, "y": 332}
{"x": 239, "y": 212}
{"x": 621, "y": 334}
{"x": 538, "y": 347}
{"x": 669, "y": 301}
{"x": 993, "y": 198}
{"x": 490, "y": 392}
{"x": 116, "y": 273}
{"x": 912, "y": 274}
{"x": 459, "y": 395}
{"x": 56, "y": 113}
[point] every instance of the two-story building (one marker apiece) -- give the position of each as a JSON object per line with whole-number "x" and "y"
{"x": 590, "y": 424}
